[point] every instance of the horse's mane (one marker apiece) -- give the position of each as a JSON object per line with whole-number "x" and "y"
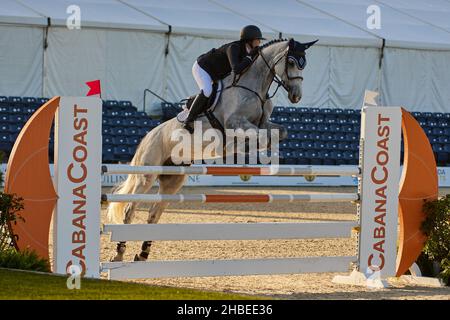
{"x": 271, "y": 42}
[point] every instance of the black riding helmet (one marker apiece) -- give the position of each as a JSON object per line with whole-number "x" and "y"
{"x": 251, "y": 32}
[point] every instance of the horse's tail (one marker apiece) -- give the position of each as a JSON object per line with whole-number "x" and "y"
{"x": 115, "y": 211}
{"x": 133, "y": 182}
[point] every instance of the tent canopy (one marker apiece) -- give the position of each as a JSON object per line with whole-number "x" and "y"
{"x": 410, "y": 24}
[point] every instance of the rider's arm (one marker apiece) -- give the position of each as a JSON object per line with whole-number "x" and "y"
{"x": 233, "y": 57}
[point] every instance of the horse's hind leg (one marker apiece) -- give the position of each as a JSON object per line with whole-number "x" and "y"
{"x": 168, "y": 184}
{"x": 143, "y": 186}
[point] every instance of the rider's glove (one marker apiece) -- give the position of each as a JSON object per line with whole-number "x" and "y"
{"x": 254, "y": 52}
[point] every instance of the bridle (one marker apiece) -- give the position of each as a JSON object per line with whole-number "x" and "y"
{"x": 276, "y": 79}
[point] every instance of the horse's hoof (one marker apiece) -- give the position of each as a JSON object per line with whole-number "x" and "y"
{"x": 116, "y": 259}
{"x": 139, "y": 258}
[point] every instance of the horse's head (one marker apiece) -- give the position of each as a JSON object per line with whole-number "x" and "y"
{"x": 289, "y": 68}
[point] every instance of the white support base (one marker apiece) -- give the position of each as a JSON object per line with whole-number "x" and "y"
{"x": 422, "y": 281}
{"x": 357, "y": 278}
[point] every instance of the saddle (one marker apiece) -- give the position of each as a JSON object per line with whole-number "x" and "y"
{"x": 208, "y": 113}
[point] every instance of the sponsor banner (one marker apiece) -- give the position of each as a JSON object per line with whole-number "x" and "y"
{"x": 78, "y": 155}
{"x": 378, "y": 189}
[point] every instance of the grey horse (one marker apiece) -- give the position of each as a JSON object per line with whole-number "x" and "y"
{"x": 244, "y": 104}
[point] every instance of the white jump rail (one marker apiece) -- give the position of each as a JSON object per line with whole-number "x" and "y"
{"x": 273, "y": 170}
{"x": 215, "y": 268}
{"x": 229, "y": 231}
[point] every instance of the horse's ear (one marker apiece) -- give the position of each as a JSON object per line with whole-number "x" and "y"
{"x": 309, "y": 44}
{"x": 291, "y": 43}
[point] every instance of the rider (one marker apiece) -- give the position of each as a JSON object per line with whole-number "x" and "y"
{"x": 216, "y": 64}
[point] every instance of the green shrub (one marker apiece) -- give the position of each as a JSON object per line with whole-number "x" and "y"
{"x": 24, "y": 260}
{"x": 435, "y": 259}
{"x": 10, "y": 205}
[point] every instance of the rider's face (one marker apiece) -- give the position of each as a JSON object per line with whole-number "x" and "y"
{"x": 255, "y": 43}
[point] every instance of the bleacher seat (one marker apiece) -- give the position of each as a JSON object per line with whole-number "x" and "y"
{"x": 110, "y": 104}
{"x": 326, "y": 157}
{"x": 323, "y": 127}
{"x": 432, "y": 123}
{"x": 329, "y": 136}
{"x": 131, "y": 131}
{"x": 315, "y": 136}
{"x": 319, "y": 145}
{"x": 292, "y": 136}
{"x": 4, "y": 118}
{"x": 41, "y": 101}
{"x": 120, "y": 141}
{"x": 107, "y": 139}
{"x": 278, "y": 109}
{"x": 106, "y": 130}
{"x": 108, "y": 153}
{"x": 110, "y": 112}
{"x": 115, "y": 121}
{"x": 307, "y": 145}
{"x": 335, "y": 128}
{"x": 141, "y": 115}
{"x": 295, "y": 119}
{"x": 303, "y": 111}
{"x": 129, "y": 122}
{"x": 330, "y": 119}
{"x": 15, "y": 102}
{"x": 143, "y": 131}
{"x": 127, "y": 106}
{"x": 294, "y": 144}
{"x": 122, "y": 153}
{"x": 300, "y": 158}
{"x": 319, "y": 118}
{"x": 438, "y": 131}
{"x": 29, "y": 101}
{"x": 299, "y": 127}
{"x": 416, "y": 114}
{"x": 134, "y": 140}
{"x": 117, "y": 131}
{"x": 13, "y": 128}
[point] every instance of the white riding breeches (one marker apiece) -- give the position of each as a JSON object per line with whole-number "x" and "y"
{"x": 203, "y": 79}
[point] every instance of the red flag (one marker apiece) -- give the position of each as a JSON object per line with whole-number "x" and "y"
{"x": 94, "y": 88}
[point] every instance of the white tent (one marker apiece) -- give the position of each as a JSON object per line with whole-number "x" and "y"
{"x": 131, "y": 45}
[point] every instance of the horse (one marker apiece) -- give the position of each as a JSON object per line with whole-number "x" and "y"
{"x": 244, "y": 104}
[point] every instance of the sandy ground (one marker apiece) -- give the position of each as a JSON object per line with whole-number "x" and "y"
{"x": 302, "y": 286}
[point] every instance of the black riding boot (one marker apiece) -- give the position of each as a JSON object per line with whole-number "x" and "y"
{"x": 198, "y": 106}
